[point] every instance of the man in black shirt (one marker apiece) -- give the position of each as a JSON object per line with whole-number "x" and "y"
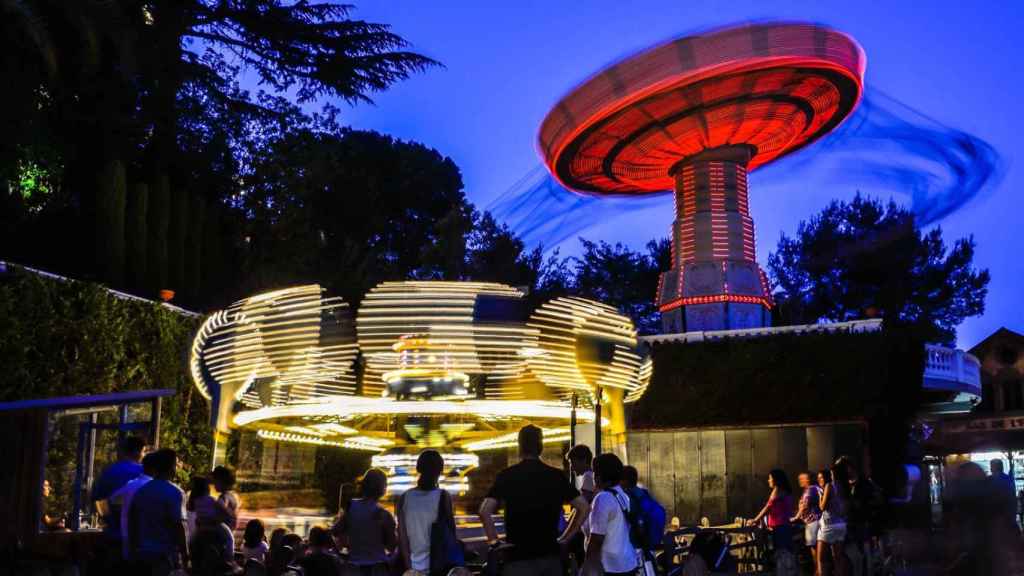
{"x": 533, "y": 494}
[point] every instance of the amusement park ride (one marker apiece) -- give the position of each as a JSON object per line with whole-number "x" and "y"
{"x": 457, "y": 366}
{"x": 694, "y": 115}
{"x": 460, "y": 366}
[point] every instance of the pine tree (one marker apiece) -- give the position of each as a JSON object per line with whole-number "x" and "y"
{"x": 110, "y": 213}
{"x": 158, "y": 219}
{"x": 135, "y": 237}
{"x": 194, "y": 249}
{"x": 176, "y": 233}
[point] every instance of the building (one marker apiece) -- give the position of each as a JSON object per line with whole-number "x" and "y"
{"x": 726, "y": 407}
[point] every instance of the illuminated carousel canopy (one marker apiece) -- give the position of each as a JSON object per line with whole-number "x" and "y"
{"x": 453, "y": 365}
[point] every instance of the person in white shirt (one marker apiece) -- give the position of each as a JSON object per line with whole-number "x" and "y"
{"x": 418, "y": 508}
{"x": 123, "y": 497}
{"x": 609, "y": 550}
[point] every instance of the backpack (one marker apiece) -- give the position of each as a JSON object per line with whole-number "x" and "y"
{"x": 634, "y": 519}
{"x": 653, "y": 515}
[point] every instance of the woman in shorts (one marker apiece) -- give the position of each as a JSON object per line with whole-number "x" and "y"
{"x": 832, "y": 526}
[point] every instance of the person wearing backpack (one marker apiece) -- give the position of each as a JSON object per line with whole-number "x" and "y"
{"x": 652, "y": 513}
{"x": 612, "y": 529}
{"x": 426, "y": 521}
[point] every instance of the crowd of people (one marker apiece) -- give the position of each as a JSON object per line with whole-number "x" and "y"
{"x": 838, "y": 511}
{"x": 152, "y": 527}
{"x": 613, "y": 528}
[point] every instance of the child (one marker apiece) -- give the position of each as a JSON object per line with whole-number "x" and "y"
{"x": 205, "y": 513}
{"x": 199, "y": 503}
{"x": 254, "y": 542}
{"x": 224, "y": 482}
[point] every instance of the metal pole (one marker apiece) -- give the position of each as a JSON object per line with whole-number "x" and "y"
{"x": 76, "y": 516}
{"x": 122, "y": 419}
{"x": 155, "y": 416}
{"x": 572, "y": 422}
{"x": 597, "y": 422}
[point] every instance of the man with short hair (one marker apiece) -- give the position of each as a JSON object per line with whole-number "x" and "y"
{"x": 533, "y": 494}
{"x": 650, "y": 510}
{"x": 610, "y": 551}
{"x": 113, "y": 478}
{"x": 579, "y": 458}
{"x": 157, "y": 520}
{"x": 808, "y": 511}
{"x": 123, "y": 497}
{"x": 125, "y": 469}
{"x": 1005, "y": 490}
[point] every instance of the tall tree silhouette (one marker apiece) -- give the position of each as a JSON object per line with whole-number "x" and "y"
{"x": 868, "y": 259}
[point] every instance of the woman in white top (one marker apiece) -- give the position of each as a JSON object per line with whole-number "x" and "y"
{"x": 418, "y": 508}
{"x": 254, "y": 541}
{"x": 609, "y": 550}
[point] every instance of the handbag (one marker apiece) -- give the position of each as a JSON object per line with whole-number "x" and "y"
{"x": 445, "y": 549}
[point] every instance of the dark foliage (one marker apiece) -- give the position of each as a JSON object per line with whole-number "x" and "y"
{"x": 154, "y": 87}
{"x": 781, "y": 379}
{"x": 865, "y": 259}
{"x": 801, "y": 378}
{"x": 623, "y": 278}
{"x": 67, "y": 338}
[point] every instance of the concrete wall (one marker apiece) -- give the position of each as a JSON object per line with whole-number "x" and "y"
{"x": 722, "y": 474}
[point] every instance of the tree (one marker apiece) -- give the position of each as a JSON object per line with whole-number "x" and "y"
{"x": 155, "y": 85}
{"x": 158, "y": 219}
{"x": 623, "y": 278}
{"x": 495, "y": 254}
{"x": 110, "y": 215}
{"x": 136, "y": 236}
{"x": 865, "y": 259}
{"x": 350, "y": 209}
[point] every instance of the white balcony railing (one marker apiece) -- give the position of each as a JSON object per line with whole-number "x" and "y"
{"x": 952, "y": 370}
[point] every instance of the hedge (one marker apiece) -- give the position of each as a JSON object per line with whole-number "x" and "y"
{"x": 64, "y": 338}
{"x": 788, "y": 378}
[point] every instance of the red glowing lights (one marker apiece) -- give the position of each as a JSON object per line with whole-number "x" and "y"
{"x": 694, "y": 115}
{"x": 773, "y": 87}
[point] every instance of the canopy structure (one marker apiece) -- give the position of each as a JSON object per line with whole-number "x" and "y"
{"x": 452, "y": 365}
{"x": 694, "y": 115}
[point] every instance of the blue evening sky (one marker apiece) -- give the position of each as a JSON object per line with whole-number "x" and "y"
{"x": 507, "y": 63}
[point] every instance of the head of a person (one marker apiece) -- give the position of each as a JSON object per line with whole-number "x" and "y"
{"x": 292, "y": 542}
{"x": 996, "y": 465}
{"x": 429, "y": 466}
{"x": 223, "y": 478}
{"x": 841, "y": 477}
{"x": 852, "y": 472}
{"x": 804, "y": 479}
{"x": 130, "y": 448}
{"x": 607, "y": 470}
{"x": 148, "y": 464}
{"x": 630, "y": 477}
{"x": 970, "y": 471}
{"x": 199, "y": 487}
{"x": 165, "y": 461}
{"x": 580, "y": 458}
{"x": 531, "y": 441}
{"x": 320, "y": 539}
{"x": 824, "y": 477}
{"x": 373, "y": 485}
{"x": 777, "y": 479}
{"x": 275, "y": 538}
{"x": 255, "y": 533}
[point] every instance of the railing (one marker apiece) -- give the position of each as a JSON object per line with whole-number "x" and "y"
{"x": 951, "y": 369}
